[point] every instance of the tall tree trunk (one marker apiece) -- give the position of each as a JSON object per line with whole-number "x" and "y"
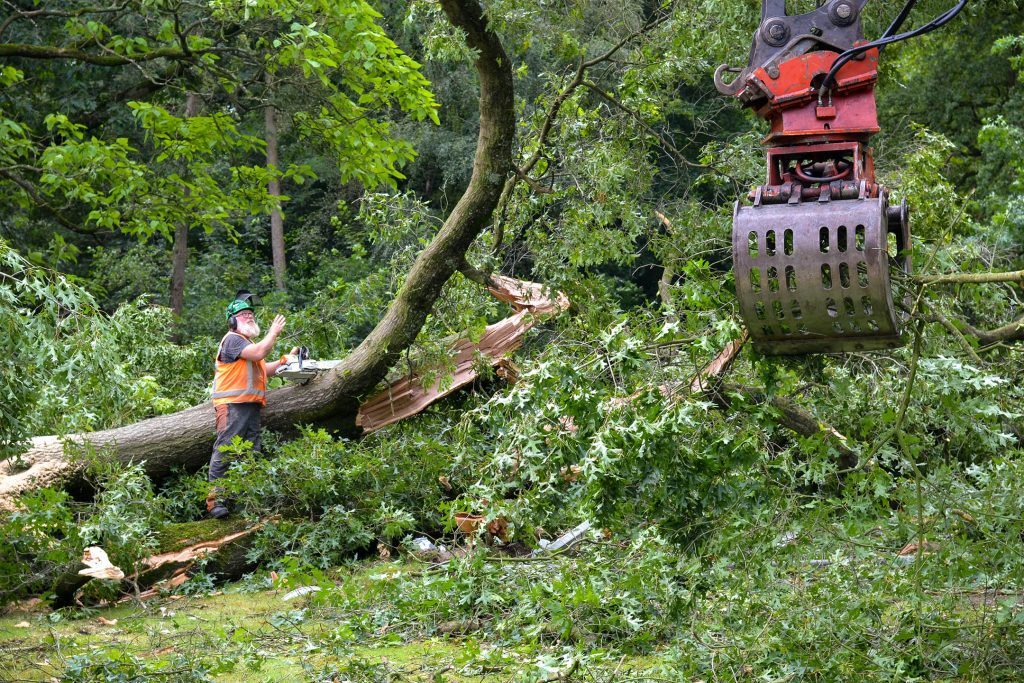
{"x": 179, "y": 252}
{"x": 185, "y": 438}
{"x": 274, "y": 188}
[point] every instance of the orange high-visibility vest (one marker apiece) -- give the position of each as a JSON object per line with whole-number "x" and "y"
{"x": 243, "y": 381}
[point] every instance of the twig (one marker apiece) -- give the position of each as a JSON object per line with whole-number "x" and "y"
{"x": 563, "y": 675}
{"x": 970, "y": 278}
{"x": 672, "y": 149}
{"x": 951, "y": 328}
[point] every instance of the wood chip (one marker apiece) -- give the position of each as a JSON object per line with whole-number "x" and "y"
{"x": 23, "y": 624}
{"x": 99, "y": 565}
{"x": 103, "y": 621}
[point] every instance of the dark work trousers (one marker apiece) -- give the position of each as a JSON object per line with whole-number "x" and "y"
{"x": 234, "y": 419}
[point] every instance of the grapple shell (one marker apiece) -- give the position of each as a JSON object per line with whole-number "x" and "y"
{"x": 813, "y": 277}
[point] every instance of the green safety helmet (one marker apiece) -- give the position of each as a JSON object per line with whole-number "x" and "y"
{"x": 244, "y": 301}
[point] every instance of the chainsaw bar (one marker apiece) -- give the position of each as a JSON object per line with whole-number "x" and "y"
{"x": 304, "y": 369}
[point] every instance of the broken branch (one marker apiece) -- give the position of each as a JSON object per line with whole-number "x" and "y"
{"x": 970, "y": 278}
{"x": 799, "y": 420}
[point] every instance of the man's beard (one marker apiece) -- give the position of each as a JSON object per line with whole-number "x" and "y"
{"x": 249, "y": 329}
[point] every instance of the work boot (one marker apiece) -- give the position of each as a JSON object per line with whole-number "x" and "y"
{"x": 216, "y": 508}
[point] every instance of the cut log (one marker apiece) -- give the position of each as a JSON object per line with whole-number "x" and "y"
{"x": 224, "y": 546}
{"x": 184, "y": 439}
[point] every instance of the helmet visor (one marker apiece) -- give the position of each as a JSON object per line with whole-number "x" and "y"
{"x": 247, "y": 296}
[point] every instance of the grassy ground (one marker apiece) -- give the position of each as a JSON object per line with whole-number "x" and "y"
{"x": 244, "y": 633}
{"x": 834, "y": 602}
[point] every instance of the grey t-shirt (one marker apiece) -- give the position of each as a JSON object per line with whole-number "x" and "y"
{"x": 231, "y": 348}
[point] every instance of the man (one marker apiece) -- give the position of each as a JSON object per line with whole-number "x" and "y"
{"x": 240, "y": 385}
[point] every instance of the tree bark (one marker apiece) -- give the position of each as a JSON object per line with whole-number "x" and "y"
{"x": 27, "y": 51}
{"x": 179, "y": 253}
{"x": 274, "y": 190}
{"x": 185, "y": 438}
{"x": 796, "y": 419}
{"x": 970, "y": 278}
{"x": 1011, "y": 332}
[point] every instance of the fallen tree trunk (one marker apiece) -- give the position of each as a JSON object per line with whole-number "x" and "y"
{"x": 185, "y": 438}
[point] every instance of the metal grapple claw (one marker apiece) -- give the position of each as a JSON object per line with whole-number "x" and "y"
{"x": 812, "y": 253}
{"x": 815, "y": 278}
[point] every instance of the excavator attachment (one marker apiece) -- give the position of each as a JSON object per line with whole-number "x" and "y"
{"x": 815, "y": 248}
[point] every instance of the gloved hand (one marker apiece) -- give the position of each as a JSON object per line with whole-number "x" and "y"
{"x": 290, "y": 357}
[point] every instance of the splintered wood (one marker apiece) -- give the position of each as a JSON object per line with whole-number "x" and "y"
{"x": 408, "y": 396}
{"x": 171, "y": 569}
{"x": 708, "y": 378}
{"x": 98, "y": 565}
{"x": 198, "y": 551}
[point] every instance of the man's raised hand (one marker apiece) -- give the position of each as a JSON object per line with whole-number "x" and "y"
{"x": 276, "y": 326}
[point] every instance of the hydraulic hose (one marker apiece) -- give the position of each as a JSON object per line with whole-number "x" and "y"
{"x": 900, "y": 18}
{"x": 845, "y": 57}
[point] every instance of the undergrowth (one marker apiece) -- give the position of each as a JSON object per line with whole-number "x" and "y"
{"x": 723, "y": 544}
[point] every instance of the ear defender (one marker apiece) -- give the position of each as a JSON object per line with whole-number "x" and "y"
{"x": 233, "y": 323}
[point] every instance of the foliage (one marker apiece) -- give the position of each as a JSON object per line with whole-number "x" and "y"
{"x": 620, "y": 596}
{"x": 1002, "y": 143}
{"x": 43, "y": 540}
{"x": 39, "y": 542}
{"x": 125, "y": 516}
{"x": 78, "y": 369}
{"x": 117, "y": 665}
{"x": 338, "y": 497}
{"x": 920, "y": 178}
{"x": 54, "y": 336}
{"x": 728, "y": 542}
{"x": 200, "y": 169}
{"x": 566, "y": 439}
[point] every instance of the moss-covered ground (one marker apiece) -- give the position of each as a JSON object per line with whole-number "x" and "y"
{"x": 246, "y": 631}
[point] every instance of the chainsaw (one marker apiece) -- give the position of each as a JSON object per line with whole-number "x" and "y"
{"x": 814, "y": 245}
{"x": 301, "y": 368}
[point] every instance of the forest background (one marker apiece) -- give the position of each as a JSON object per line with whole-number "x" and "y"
{"x": 820, "y": 517}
